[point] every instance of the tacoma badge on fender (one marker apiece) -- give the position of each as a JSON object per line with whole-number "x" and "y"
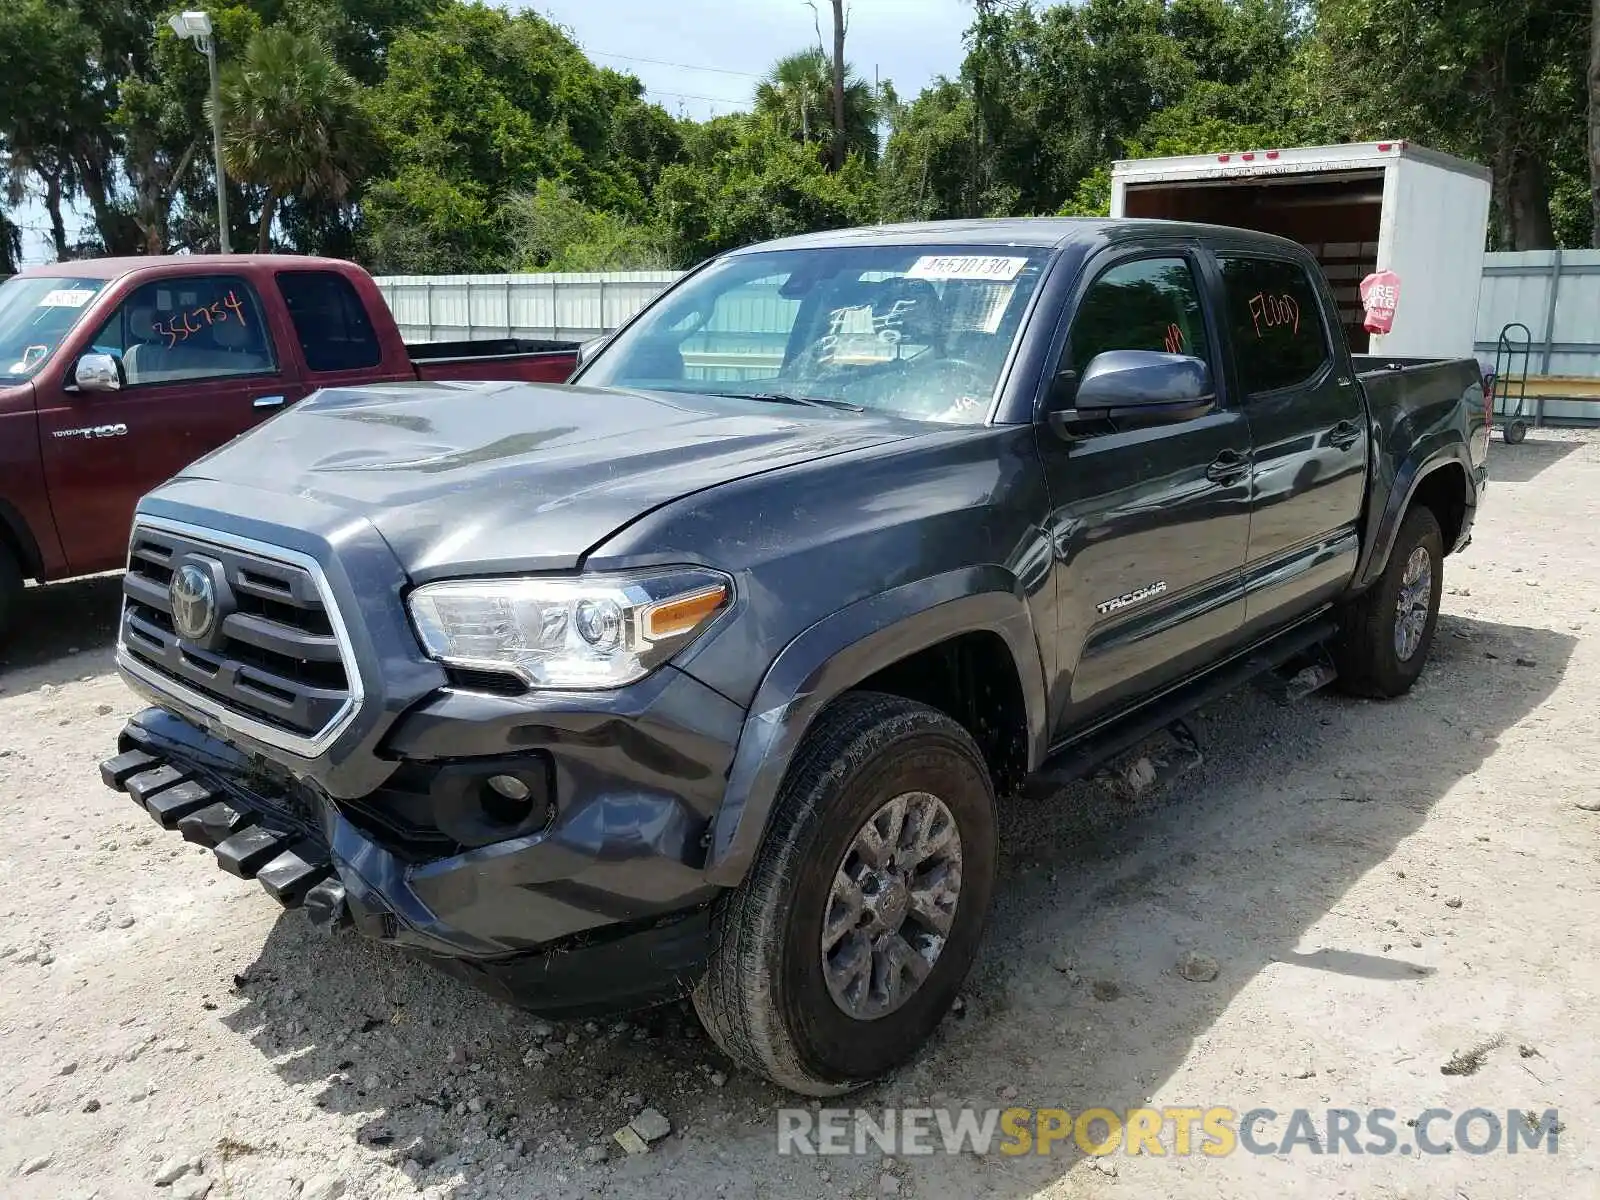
{"x": 1144, "y": 593}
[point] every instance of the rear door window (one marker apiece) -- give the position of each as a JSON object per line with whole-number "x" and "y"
{"x": 331, "y": 322}
{"x": 187, "y": 328}
{"x": 1275, "y": 318}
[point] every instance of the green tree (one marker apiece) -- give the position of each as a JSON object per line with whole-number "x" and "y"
{"x": 46, "y": 60}
{"x": 550, "y": 229}
{"x": 1049, "y": 97}
{"x": 416, "y": 222}
{"x": 10, "y": 245}
{"x": 797, "y": 97}
{"x": 1593, "y": 82}
{"x": 478, "y": 105}
{"x": 165, "y": 139}
{"x": 358, "y": 32}
{"x": 1502, "y": 84}
{"x": 746, "y": 180}
{"x": 291, "y": 122}
{"x": 931, "y": 163}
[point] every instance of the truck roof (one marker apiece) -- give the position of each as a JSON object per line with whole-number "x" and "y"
{"x": 1036, "y": 232}
{"x": 115, "y": 268}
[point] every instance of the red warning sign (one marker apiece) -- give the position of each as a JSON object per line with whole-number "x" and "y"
{"x": 1380, "y": 295}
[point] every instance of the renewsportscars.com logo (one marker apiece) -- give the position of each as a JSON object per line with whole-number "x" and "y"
{"x": 1213, "y": 1132}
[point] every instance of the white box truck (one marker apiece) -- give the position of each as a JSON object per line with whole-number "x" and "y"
{"x": 1361, "y": 209}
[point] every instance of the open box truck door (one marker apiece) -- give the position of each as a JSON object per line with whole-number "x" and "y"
{"x": 1361, "y": 209}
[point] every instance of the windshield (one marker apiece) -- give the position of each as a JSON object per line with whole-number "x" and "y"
{"x": 35, "y": 314}
{"x": 922, "y": 331}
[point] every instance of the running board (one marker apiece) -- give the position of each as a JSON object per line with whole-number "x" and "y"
{"x": 1081, "y": 756}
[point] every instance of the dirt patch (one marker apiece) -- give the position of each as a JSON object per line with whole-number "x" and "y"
{"x": 155, "y": 1013}
{"x": 1471, "y": 1061}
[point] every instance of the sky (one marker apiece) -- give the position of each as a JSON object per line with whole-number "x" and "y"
{"x": 702, "y": 58}
{"x": 725, "y": 46}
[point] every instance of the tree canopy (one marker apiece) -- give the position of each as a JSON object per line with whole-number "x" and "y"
{"x": 446, "y": 135}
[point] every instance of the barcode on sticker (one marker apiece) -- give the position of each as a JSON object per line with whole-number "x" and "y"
{"x": 966, "y": 266}
{"x": 66, "y": 298}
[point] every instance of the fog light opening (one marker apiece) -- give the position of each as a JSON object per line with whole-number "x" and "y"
{"x": 506, "y": 800}
{"x": 510, "y": 787}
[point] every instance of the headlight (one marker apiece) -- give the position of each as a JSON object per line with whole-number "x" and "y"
{"x": 596, "y": 631}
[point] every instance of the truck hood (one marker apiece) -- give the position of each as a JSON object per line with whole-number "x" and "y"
{"x": 464, "y": 478}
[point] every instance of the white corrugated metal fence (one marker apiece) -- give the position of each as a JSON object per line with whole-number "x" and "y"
{"x": 452, "y": 308}
{"x": 1556, "y": 294}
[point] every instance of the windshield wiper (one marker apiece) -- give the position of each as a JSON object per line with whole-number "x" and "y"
{"x": 792, "y": 398}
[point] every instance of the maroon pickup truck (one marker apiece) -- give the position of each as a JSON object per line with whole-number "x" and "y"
{"x": 116, "y": 373}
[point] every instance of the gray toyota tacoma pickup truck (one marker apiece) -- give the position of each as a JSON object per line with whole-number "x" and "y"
{"x": 704, "y": 673}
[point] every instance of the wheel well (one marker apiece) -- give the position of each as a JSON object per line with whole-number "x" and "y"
{"x": 1444, "y": 491}
{"x": 973, "y": 679}
{"x": 15, "y": 538}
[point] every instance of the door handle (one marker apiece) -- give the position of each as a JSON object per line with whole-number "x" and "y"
{"x": 1228, "y": 466}
{"x": 1344, "y": 435}
{"x": 267, "y": 402}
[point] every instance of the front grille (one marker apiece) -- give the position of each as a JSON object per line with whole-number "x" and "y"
{"x": 272, "y": 654}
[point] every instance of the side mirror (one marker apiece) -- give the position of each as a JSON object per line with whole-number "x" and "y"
{"x": 592, "y": 347}
{"x": 1140, "y": 385}
{"x": 98, "y": 373}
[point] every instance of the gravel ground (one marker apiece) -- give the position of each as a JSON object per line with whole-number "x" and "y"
{"x": 1383, "y": 887}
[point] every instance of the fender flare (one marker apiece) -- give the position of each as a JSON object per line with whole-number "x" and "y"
{"x": 837, "y": 653}
{"x": 1404, "y": 490}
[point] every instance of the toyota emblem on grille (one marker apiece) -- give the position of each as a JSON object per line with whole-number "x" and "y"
{"x": 193, "y": 596}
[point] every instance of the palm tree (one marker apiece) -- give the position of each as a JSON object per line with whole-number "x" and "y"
{"x": 797, "y": 94}
{"x": 292, "y": 122}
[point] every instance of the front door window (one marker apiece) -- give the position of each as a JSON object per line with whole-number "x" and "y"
{"x": 198, "y": 327}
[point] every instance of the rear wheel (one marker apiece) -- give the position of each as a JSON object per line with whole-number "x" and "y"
{"x": 1387, "y": 632}
{"x": 10, "y": 589}
{"x": 847, "y": 944}
{"x": 1515, "y": 433}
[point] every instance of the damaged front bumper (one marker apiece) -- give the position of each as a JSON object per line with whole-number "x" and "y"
{"x": 531, "y": 919}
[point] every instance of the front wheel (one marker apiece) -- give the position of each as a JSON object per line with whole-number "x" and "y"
{"x": 841, "y": 953}
{"x": 1386, "y": 633}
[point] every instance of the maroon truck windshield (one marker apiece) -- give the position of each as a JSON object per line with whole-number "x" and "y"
{"x": 36, "y": 312}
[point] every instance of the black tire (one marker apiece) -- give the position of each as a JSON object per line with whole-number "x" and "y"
{"x": 10, "y": 590}
{"x": 764, "y": 998}
{"x": 1515, "y": 433}
{"x": 1366, "y": 651}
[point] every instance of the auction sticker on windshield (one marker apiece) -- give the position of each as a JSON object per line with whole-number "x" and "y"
{"x": 66, "y": 298}
{"x": 966, "y": 266}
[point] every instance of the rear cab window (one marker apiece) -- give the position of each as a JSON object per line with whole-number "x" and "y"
{"x": 186, "y": 328}
{"x": 1274, "y": 315}
{"x": 330, "y": 321}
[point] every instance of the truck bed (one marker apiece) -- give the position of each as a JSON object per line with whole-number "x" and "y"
{"x": 533, "y": 360}
{"x": 1427, "y": 402}
{"x": 1419, "y": 389}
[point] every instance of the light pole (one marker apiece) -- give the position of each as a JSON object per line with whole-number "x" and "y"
{"x": 196, "y": 26}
